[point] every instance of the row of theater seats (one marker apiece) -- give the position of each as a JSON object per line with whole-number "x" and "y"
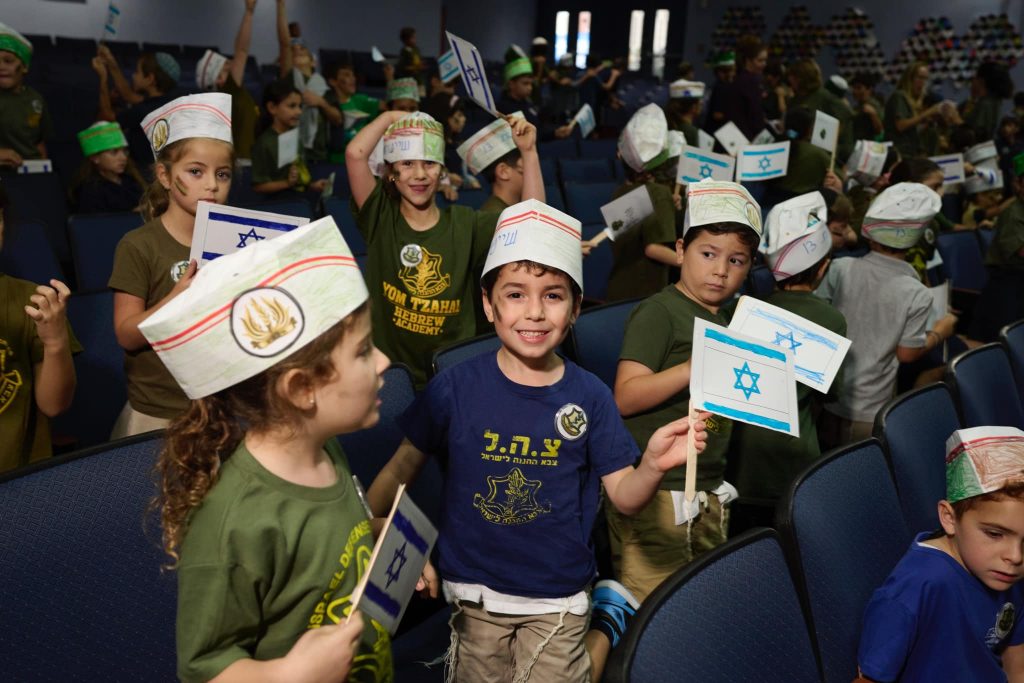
{"x": 767, "y": 606}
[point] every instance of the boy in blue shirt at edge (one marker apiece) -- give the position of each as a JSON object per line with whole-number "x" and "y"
{"x": 953, "y": 608}
{"x": 514, "y": 541}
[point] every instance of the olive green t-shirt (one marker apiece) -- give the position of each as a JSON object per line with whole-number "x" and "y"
{"x": 265, "y": 560}
{"x": 837, "y": 107}
{"x": 424, "y": 285}
{"x": 264, "y": 159}
{"x": 914, "y": 140}
{"x": 863, "y": 128}
{"x": 633, "y": 274}
{"x": 244, "y": 115}
{"x": 982, "y": 116}
{"x": 659, "y": 335}
{"x": 770, "y": 460}
{"x": 24, "y": 121}
{"x": 147, "y": 263}
{"x": 807, "y": 167}
{"x": 24, "y": 430}
{"x": 494, "y": 204}
{"x": 1009, "y": 240}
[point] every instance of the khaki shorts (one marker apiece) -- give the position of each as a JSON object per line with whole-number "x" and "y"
{"x": 131, "y": 422}
{"x": 506, "y": 648}
{"x": 648, "y": 547}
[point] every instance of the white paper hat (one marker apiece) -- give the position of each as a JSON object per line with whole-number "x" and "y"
{"x": 718, "y": 201}
{"x": 251, "y": 309}
{"x": 684, "y": 88}
{"x": 797, "y": 234}
{"x": 867, "y": 161}
{"x": 543, "y": 235}
{"x": 376, "y": 161}
{"x": 489, "y": 144}
{"x": 984, "y": 179}
{"x": 676, "y": 142}
{"x": 981, "y": 460}
{"x": 899, "y": 214}
{"x": 414, "y": 137}
{"x": 208, "y": 69}
{"x": 981, "y": 152}
{"x": 643, "y": 144}
{"x": 193, "y": 116}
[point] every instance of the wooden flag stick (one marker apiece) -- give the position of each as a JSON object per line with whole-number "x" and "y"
{"x": 690, "y": 492}
{"x": 598, "y": 238}
{"x": 832, "y": 163}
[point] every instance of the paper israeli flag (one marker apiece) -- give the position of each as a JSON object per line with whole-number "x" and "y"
{"x": 221, "y": 230}
{"x": 826, "y": 131}
{"x": 732, "y": 138}
{"x": 743, "y": 378}
{"x": 817, "y": 352}
{"x": 585, "y": 120}
{"x": 696, "y": 164}
{"x": 625, "y": 212}
{"x": 448, "y": 67}
{"x": 36, "y": 166}
{"x": 704, "y": 141}
{"x": 474, "y": 78}
{"x": 762, "y": 162}
{"x": 396, "y": 564}
{"x": 952, "y": 166}
{"x": 763, "y": 138}
{"x": 113, "y": 21}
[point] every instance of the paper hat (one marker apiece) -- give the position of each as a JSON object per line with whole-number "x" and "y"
{"x": 981, "y": 460}
{"x": 403, "y": 89}
{"x": 867, "y": 161}
{"x": 643, "y": 143}
{"x": 684, "y": 88}
{"x": 489, "y": 144}
{"x": 208, "y": 69}
{"x": 899, "y": 213}
{"x": 724, "y": 58}
{"x": 981, "y": 152}
{"x": 543, "y": 235}
{"x": 797, "y": 235}
{"x": 414, "y": 137}
{"x": 540, "y": 40}
{"x": 1018, "y": 164}
{"x": 193, "y": 116}
{"x": 168, "y": 64}
{"x": 516, "y": 63}
{"x": 251, "y": 309}
{"x": 12, "y": 41}
{"x": 718, "y": 201}
{"x": 984, "y": 179}
{"x": 101, "y": 136}
{"x": 676, "y": 142}
{"x": 837, "y": 85}
{"x": 567, "y": 59}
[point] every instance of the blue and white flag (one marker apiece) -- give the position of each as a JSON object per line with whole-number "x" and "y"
{"x": 696, "y": 164}
{"x": 585, "y": 120}
{"x": 743, "y": 378}
{"x": 221, "y": 229}
{"x": 396, "y": 564}
{"x": 762, "y": 162}
{"x": 817, "y": 352}
{"x": 113, "y": 21}
{"x": 952, "y": 166}
{"x": 36, "y": 166}
{"x": 448, "y": 67}
{"x": 474, "y": 78}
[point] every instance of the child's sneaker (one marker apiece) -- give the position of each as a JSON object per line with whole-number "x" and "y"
{"x": 613, "y": 607}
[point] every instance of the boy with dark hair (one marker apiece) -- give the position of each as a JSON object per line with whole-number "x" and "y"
{"x": 798, "y": 250}
{"x": 492, "y": 152}
{"x": 722, "y": 231}
{"x": 349, "y": 110}
{"x": 684, "y": 107}
{"x": 529, "y": 439}
{"x": 953, "y": 608}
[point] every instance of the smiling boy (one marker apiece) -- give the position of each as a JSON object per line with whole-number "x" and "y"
{"x": 953, "y": 608}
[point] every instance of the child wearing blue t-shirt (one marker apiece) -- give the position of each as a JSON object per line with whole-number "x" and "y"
{"x": 953, "y": 608}
{"x": 528, "y": 439}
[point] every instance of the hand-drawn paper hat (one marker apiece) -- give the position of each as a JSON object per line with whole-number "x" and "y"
{"x": 981, "y": 460}
{"x": 718, "y": 201}
{"x": 489, "y": 144}
{"x": 208, "y": 69}
{"x": 533, "y": 231}
{"x": 684, "y": 88}
{"x": 192, "y": 116}
{"x": 251, "y": 309}
{"x": 101, "y": 136}
{"x": 415, "y": 137}
{"x": 403, "y": 89}
{"x": 898, "y": 215}
{"x": 984, "y": 179}
{"x": 676, "y": 142}
{"x": 516, "y": 63}
{"x": 643, "y": 144}
{"x": 12, "y": 41}
{"x": 797, "y": 234}
{"x": 867, "y": 161}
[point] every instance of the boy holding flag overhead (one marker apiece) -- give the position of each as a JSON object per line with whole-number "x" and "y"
{"x": 799, "y": 249}
{"x": 953, "y": 608}
{"x": 492, "y": 151}
{"x": 529, "y": 439}
{"x": 721, "y": 233}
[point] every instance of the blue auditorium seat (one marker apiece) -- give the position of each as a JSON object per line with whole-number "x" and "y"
{"x": 94, "y": 238}
{"x": 585, "y": 171}
{"x": 584, "y": 201}
{"x": 598, "y": 335}
{"x": 962, "y": 260}
{"x": 982, "y": 381}
{"x": 28, "y": 254}
{"x": 339, "y": 210}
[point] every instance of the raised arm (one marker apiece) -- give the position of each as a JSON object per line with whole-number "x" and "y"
{"x": 242, "y": 42}
{"x": 357, "y": 154}
{"x": 524, "y": 134}
{"x": 124, "y": 88}
{"x": 284, "y": 41}
{"x": 105, "y": 109}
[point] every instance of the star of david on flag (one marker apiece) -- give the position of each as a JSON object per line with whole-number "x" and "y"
{"x": 743, "y": 378}
{"x": 696, "y": 164}
{"x": 471, "y": 66}
{"x": 763, "y": 162}
{"x": 221, "y": 230}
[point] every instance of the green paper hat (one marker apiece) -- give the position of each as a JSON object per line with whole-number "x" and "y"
{"x": 101, "y": 136}
{"x": 1018, "y": 165}
{"x": 724, "y": 58}
{"x": 516, "y": 63}
{"x": 983, "y": 460}
{"x": 403, "y": 89}
{"x": 12, "y": 41}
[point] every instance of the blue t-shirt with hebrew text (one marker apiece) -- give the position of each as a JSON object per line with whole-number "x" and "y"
{"x": 522, "y": 476}
{"x": 932, "y": 620}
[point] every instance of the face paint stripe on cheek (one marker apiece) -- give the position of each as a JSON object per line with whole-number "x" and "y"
{"x": 180, "y": 186}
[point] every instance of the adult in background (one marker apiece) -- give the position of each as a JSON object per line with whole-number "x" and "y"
{"x": 989, "y": 87}
{"x": 907, "y": 119}
{"x": 742, "y": 103}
